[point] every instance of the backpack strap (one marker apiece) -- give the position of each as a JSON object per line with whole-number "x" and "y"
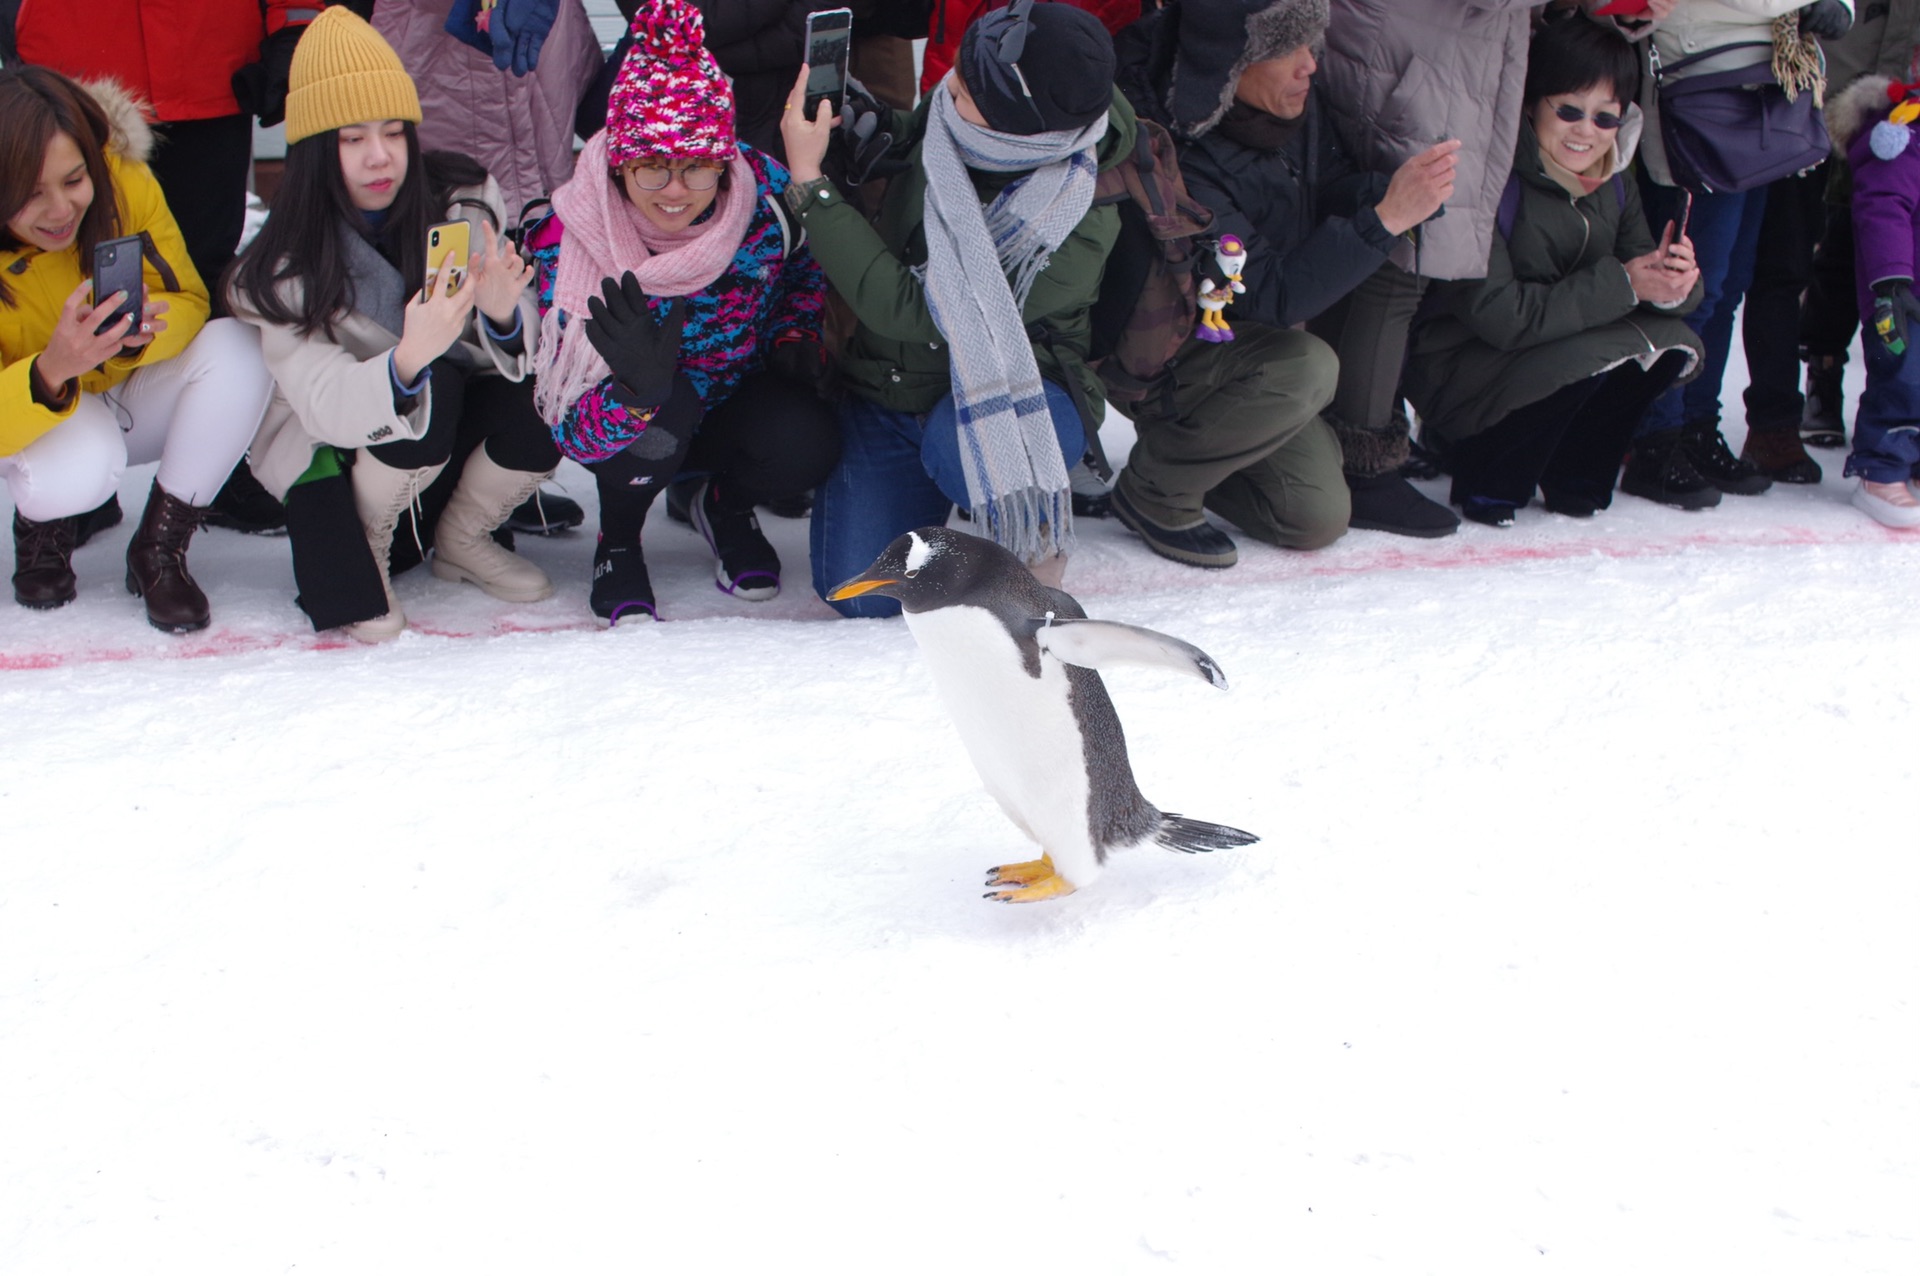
{"x": 791, "y": 237}
{"x": 1509, "y": 206}
{"x": 168, "y": 279}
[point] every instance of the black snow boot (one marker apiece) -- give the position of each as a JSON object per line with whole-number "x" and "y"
{"x": 1388, "y": 503}
{"x": 1707, "y": 450}
{"x": 1824, "y": 422}
{"x": 1659, "y": 471}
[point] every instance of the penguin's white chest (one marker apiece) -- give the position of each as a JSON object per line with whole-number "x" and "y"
{"x": 1019, "y": 730}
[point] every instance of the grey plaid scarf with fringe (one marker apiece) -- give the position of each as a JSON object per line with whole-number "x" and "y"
{"x": 1016, "y": 480}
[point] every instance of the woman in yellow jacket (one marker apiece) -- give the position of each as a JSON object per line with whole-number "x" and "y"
{"x": 81, "y": 398}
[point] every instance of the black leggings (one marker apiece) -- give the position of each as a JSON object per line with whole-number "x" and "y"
{"x": 769, "y": 440}
{"x": 1569, "y": 443}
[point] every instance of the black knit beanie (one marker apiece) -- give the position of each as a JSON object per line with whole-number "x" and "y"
{"x": 1067, "y": 66}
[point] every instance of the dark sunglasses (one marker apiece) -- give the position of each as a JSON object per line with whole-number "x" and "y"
{"x": 1573, "y": 115}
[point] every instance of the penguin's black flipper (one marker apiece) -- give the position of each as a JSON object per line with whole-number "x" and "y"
{"x": 1178, "y": 833}
{"x": 1095, "y": 644}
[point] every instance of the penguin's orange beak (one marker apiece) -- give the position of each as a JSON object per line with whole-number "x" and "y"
{"x": 860, "y": 585}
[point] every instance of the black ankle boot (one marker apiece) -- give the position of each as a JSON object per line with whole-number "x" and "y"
{"x": 157, "y": 564}
{"x": 1388, "y": 503}
{"x": 1707, "y": 450}
{"x": 1659, "y": 471}
{"x": 43, "y": 562}
{"x": 1824, "y": 422}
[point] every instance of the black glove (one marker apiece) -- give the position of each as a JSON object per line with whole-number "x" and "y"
{"x": 261, "y": 88}
{"x": 799, "y": 357}
{"x": 642, "y": 354}
{"x": 868, "y": 142}
{"x": 1828, "y": 19}
{"x": 1894, "y": 307}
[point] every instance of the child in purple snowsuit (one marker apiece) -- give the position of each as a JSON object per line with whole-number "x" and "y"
{"x": 1871, "y": 120}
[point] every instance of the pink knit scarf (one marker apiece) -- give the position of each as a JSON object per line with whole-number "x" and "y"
{"x": 605, "y": 237}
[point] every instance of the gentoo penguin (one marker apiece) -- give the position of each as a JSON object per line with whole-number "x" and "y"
{"x": 1015, "y": 663}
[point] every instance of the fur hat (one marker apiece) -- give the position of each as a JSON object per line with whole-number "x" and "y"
{"x": 1062, "y": 80}
{"x": 670, "y": 99}
{"x": 345, "y": 73}
{"x": 1220, "y": 39}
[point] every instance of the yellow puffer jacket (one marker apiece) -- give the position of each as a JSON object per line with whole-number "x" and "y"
{"x": 41, "y": 283}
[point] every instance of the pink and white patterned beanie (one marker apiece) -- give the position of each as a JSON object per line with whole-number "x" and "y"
{"x": 670, "y": 99}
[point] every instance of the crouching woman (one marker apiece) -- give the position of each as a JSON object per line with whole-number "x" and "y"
{"x": 1536, "y": 376}
{"x": 83, "y": 396}
{"x": 381, "y": 383}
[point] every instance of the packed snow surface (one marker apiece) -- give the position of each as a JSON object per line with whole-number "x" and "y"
{"x": 1581, "y": 938}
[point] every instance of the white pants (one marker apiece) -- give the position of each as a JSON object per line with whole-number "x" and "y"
{"x": 194, "y": 413}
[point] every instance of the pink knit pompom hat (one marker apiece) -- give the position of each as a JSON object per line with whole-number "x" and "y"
{"x": 670, "y": 99}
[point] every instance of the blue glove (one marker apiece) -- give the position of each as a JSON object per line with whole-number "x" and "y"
{"x": 519, "y": 28}
{"x": 463, "y": 25}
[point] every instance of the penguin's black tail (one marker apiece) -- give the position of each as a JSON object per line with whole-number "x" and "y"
{"x": 1178, "y": 833}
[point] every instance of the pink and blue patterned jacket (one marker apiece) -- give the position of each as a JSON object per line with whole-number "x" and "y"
{"x": 773, "y": 287}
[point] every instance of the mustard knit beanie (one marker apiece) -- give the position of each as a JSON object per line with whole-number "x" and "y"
{"x": 345, "y": 73}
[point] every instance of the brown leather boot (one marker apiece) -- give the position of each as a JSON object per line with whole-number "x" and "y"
{"x": 1781, "y": 455}
{"x": 43, "y": 562}
{"x": 157, "y": 564}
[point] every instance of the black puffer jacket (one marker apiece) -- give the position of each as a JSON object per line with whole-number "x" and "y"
{"x": 1305, "y": 210}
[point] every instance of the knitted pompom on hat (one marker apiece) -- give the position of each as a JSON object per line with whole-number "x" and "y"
{"x": 670, "y": 99}
{"x": 345, "y": 73}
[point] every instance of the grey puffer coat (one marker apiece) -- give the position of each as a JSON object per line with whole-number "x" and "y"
{"x": 1556, "y": 307}
{"x": 1404, "y": 74}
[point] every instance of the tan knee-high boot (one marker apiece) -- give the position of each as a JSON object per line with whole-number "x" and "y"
{"x": 382, "y": 493}
{"x": 463, "y": 544}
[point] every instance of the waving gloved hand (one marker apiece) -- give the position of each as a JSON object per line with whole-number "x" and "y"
{"x": 519, "y": 28}
{"x": 1894, "y": 309}
{"x": 642, "y": 354}
{"x": 863, "y": 123}
{"x": 1828, "y": 19}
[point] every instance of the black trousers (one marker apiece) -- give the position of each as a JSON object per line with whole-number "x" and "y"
{"x": 1795, "y": 220}
{"x": 771, "y": 439}
{"x": 1832, "y": 312}
{"x": 1567, "y": 444}
{"x": 202, "y": 168}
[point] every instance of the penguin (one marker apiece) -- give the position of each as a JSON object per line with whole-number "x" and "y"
{"x": 1015, "y": 663}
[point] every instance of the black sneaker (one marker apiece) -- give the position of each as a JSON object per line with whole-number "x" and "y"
{"x": 680, "y": 499}
{"x": 622, "y": 590}
{"x": 1199, "y": 544}
{"x": 1715, "y": 462}
{"x": 244, "y": 506}
{"x": 546, "y": 514}
{"x": 1659, "y": 471}
{"x": 745, "y": 564}
{"x": 90, "y": 524}
{"x": 1388, "y": 503}
{"x": 1490, "y": 512}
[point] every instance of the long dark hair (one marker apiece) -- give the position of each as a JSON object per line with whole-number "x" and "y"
{"x": 300, "y": 242}
{"x": 37, "y": 104}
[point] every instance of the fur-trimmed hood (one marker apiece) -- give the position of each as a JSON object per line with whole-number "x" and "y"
{"x": 131, "y": 136}
{"x": 1863, "y": 105}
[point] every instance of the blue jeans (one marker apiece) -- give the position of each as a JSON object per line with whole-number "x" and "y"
{"x": 899, "y": 471}
{"x": 1725, "y": 229}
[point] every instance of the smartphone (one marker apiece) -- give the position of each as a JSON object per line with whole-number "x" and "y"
{"x": 116, "y": 268}
{"x": 829, "y": 36}
{"x": 1686, "y": 215}
{"x": 443, "y": 237}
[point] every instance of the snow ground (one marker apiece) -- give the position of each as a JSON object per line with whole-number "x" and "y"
{"x": 1575, "y": 944}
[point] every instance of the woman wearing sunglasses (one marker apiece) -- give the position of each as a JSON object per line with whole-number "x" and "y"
{"x": 1534, "y": 377}
{"x": 681, "y": 329}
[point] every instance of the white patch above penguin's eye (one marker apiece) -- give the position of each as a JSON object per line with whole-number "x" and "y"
{"x": 918, "y": 552}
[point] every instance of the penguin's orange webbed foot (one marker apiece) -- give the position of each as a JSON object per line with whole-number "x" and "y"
{"x": 1027, "y": 883}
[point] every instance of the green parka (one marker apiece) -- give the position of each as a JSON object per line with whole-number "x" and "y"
{"x": 1556, "y": 307}
{"x": 897, "y": 357}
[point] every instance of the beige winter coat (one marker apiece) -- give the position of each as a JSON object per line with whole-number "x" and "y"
{"x": 1404, "y": 74}
{"x": 340, "y": 391}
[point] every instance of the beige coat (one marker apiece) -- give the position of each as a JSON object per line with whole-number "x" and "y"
{"x": 1404, "y": 74}
{"x": 340, "y": 391}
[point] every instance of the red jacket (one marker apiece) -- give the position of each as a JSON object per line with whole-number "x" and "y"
{"x": 951, "y": 18}
{"x": 177, "y": 54}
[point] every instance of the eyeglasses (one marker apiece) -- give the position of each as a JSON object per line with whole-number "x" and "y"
{"x": 1605, "y": 120}
{"x": 695, "y": 177}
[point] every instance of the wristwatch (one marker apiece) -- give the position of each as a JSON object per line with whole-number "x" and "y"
{"x": 800, "y": 194}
